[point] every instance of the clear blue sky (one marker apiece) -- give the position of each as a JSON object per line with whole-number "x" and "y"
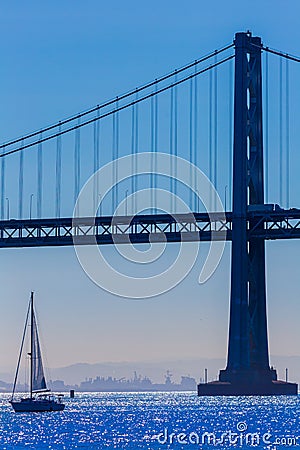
{"x": 58, "y": 58}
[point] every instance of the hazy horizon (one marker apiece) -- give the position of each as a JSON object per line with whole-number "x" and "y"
{"x": 154, "y": 369}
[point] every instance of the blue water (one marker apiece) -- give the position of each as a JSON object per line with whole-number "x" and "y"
{"x": 155, "y": 421}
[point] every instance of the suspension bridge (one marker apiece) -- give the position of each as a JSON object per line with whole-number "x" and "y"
{"x": 181, "y": 113}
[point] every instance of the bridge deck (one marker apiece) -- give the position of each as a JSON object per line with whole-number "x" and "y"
{"x": 283, "y": 224}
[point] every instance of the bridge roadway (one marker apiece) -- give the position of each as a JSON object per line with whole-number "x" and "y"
{"x": 266, "y": 224}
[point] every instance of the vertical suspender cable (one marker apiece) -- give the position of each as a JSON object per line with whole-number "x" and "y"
{"x": 154, "y": 137}
{"x": 171, "y": 143}
{"x": 174, "y": 191}
{"x": 2, "y": 184}
{"x": 133, "y": 162}
{"x": 96, "y": 163}
{"x": 115, "y": 189}
{"x": 21, "y": 176}
{"x": 39, "y": 179}
{"x": 136, "y": 149}
{"x": 210, "y": 138}
{"x": 287, "y": 121}
{"x": 58, "y": 176}
{"x": 155, "y": 147}
{"x": 117, "y": 153}
{"x": 280, "y": 135}
{"x": 230, "y": 133}
{"x": 191, "y": 145}
{"x": 95, "y": 190}
{"x": 216, "y": 130}
{"x": 77, "y": 164}
{"x": 267, "y": 126}
{"x": 152, "y": 152}
{"x": 195, "y": 159}
{"x": 114, "y": 163}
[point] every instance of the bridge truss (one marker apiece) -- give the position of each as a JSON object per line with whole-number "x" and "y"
{"x": 283, "y": 224}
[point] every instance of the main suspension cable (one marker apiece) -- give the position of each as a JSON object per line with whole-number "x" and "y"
{"x": 282, "y": 54}
{"x": 120, "y": 98}
{"x": 120, "y": 108}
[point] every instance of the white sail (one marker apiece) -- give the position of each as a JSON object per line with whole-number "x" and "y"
{"x": 38, "y": 377}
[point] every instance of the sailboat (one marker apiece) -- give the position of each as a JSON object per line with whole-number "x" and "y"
{"x": 40, "y": 398}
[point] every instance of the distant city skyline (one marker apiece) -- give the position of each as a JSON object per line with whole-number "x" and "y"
{"x": 157, "y": 371}
{"x": 59, "y": 59}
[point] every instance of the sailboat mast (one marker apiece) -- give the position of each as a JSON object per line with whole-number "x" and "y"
{"x": 21, "y": 351}
{"x": 31, "y": 344}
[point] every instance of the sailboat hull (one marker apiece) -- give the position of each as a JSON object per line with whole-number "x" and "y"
{"x": 36, "y": 405}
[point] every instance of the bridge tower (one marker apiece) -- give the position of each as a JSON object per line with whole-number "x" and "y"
{"x": 248, "y": 371}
